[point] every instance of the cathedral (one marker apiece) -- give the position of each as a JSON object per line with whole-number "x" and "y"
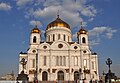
{"x": 58, "y": 57}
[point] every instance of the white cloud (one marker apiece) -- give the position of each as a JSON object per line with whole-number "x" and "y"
{"x": 5, "y": 6}
{"x": 106, "y": 31}
{"x": 74, "y": 36}
{"x": 98, "y": 32}
{"x": 33, "y": 23}
{"x": 94, "y": 42}
{"x": 71, "y": 11}
{"x": 23, "y": 2}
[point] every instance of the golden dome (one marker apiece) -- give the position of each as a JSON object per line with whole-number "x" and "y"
{"x": 35, "y": 30}
{"x": 58, "y": 23}
{"x": 82, "y": 31}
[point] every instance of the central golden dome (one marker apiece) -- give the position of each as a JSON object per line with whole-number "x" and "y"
{"x": 58, "y": 23}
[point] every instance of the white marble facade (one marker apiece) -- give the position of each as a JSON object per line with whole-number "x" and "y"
{"x": 59, "y": 58}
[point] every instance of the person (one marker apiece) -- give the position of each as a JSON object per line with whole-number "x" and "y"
{"x": 17, "y": 81}
{"x": 35, "y": 81}
{"x": 56, "y": 81}
{"x": 91, "y": 81}
{"x": 84, "y": 81}
{"x": 68, "y": 81}
{"x": 75, "y": 81}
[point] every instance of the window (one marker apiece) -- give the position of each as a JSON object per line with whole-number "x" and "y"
{"x": 83, "y": 40}
{"x": 64, "y": 60}
{"x": 57, "y": 59}
{"x": 85, "y": 63}
{"x": 60, "y": 60}
{"x": 45, "y": 60}
{"x": 64, "y": 37}
{"x": 76, "y": 61}
{"x": 34, "y": 39}
{"x": 49, "y": 38}
{"x": 92, "y": 65}
{"x": 53, "y": 37}
{"x": 58, "y": 36}
{"x": 33, "y": 63}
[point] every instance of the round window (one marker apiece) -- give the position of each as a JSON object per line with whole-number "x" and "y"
{"x": 60, "y": 45}
{"x": 75, "y": 47}
{"x": 44, "y": 47}
{"x": 34, "y": 51}
{"x": 84, "y": 51}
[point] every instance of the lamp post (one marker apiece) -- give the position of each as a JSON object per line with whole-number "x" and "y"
{"x": 22, "y": 76}
{"x": 23, "y": 63}
{"x": 84, "y": 73}
{"x": 80, "y": 75}
{"x": 109, "y": 62}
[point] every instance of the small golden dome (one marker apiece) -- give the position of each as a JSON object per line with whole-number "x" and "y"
{"x": 82, "y": 31}
{"x": 58, "y": 23}
{"x": 35, "y": 30}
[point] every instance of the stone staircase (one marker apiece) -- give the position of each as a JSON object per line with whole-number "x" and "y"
{"x": 55, "y": 82}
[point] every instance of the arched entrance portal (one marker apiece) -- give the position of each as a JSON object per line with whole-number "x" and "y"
{"x": 60, "y": 75}
{"x": 76, "y": 75}
{"x": 44, "y": 76}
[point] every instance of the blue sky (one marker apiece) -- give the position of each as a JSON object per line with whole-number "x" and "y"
{"x": 100, "y": 17}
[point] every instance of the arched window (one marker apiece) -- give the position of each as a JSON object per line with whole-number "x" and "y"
{"x": 45, "y": 60}
{"x": 53, "y": 37}
{"x": 33, "y": 63}
{"x": 60, "y": 75}
{"x": 60, "y": 60}
{"x": 58, "y": 36}
{"x": 49, "y": 38}
{"x": 64, "y": 37}
{"x": 57, "y": 60}
{"x": 83, "y": 40}
{"x": 34, "y": 39}
{"x": 76, "y": 75}
{"x": 64, "y": 60}
{"x": 92, "y": 65}
{"x": 44, "y": 76}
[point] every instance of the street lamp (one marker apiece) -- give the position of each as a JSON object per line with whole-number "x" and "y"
{"x": 84, "y": 73}
{"x": 23, "y": 62}
{"x": 80, "y": 75}
{"x": 109, "y": 62}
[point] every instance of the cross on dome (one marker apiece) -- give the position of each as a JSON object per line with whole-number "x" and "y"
{"x": 58, "y": 14}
